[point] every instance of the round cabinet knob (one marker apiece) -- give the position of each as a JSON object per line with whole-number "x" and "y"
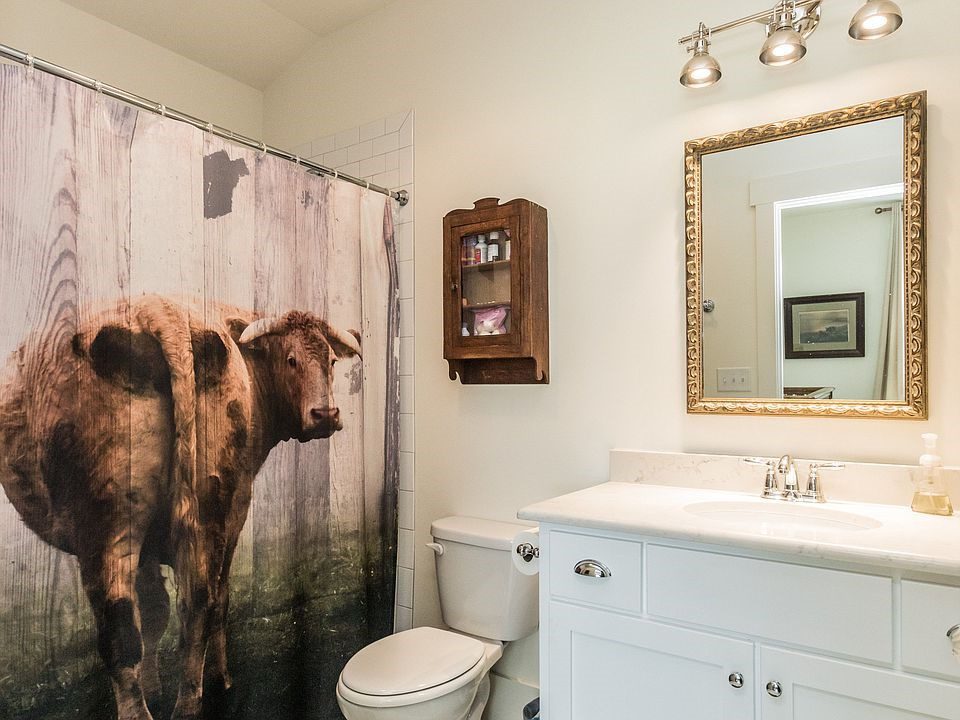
{"x": 453, "y": 287}
{"x": 774, "y": 689}
{"x": 955, "y": 630}
{"x": 735, "y": 680}
{"x": 592, "y": 568}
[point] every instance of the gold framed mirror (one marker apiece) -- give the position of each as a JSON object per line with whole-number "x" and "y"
{"x": 805, "y": 252}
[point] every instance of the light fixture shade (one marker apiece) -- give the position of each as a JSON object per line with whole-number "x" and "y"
{"x": 876, "y": 19}
{"x": 784, "y": 46}
{"x": 702, "y": 70}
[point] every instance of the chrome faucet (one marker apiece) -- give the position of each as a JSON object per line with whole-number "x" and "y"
{"x": 788, "y": 471}
{"x": 789, "y": 489}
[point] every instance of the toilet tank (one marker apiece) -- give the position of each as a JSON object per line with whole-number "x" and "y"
{"x": 481, "y": 592}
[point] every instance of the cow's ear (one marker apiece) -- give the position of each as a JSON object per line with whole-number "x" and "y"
{"x": 236, "y": 326}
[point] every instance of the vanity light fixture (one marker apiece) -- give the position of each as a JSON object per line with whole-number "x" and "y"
{"x": 784, "y": 44}
{"x": 702, "y": 69}
{"x": 788, "y": 25}
{"x": 876, "y": 19}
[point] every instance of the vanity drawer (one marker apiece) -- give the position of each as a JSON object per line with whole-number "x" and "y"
{"x": 621, "y": 590}
{"x": 927, "y": 612}
{"x": 841, "y": 612}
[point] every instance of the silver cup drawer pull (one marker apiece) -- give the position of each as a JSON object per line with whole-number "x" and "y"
{"x": 592, "y": 568}
{"x": 774, "y": 689}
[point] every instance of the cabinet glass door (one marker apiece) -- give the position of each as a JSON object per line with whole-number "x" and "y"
{"x": 487, "y": 280}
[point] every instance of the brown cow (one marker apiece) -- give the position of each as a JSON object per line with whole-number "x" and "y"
{"x": 100, "y": 455}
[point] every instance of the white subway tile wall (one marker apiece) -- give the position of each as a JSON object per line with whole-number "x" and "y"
{"x": 382, "y": 152}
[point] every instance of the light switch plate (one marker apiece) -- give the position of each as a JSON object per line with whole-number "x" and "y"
{"x": 738, "y": 379}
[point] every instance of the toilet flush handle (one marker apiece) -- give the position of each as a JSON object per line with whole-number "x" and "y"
{"x": 436, "y": 547}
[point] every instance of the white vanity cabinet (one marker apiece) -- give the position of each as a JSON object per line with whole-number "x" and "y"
{"x": 655, "y": 629}
{"x": 607, "y": 665}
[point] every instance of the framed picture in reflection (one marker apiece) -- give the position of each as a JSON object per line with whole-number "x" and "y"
{"x": 823, "y": 326}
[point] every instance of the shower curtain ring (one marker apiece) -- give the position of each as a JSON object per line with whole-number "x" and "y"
{"x": 162, "y": 109}
{"x": 210, "y": 128}
{"x": 296, "y": 159}
{"x": 30, "y": 60}
{"x": 263, "y": 149}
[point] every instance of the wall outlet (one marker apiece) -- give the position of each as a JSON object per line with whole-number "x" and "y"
{"x": 735, "y": 379}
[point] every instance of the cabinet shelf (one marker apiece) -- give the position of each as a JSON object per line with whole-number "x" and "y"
{"x": 486, "y": 267}
{"x": 481, "y": 306}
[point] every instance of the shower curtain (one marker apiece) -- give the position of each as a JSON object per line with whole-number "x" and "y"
{"x": 888, "y": 384}
{"x": 198, "y": 418}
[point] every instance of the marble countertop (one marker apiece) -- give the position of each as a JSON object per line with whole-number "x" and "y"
{"x": 890, "y": 536}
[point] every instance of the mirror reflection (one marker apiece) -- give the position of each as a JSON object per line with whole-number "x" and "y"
{"x": 802, "y": 267}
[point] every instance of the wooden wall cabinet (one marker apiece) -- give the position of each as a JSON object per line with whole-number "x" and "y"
{"x": 495, "y": 307}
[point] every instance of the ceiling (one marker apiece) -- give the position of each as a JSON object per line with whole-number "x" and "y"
{"x": 250, "y": 40}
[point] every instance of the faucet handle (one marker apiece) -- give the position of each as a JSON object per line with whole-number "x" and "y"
{"x": 771, "y": 488}
{"x": 814, "y": 491}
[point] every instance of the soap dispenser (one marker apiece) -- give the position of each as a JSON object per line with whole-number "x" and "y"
{"x": 931, "y": 494}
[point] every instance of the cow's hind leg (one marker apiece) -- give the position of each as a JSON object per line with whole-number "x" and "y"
{"x": 154, "y": 615}
{"x": 109, "y": 574}
{"x": 196, "y": 598}
{"x": 216, "y": 668}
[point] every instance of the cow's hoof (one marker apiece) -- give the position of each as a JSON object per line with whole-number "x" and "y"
{"x": 133, "y": 711}
{"x": 187, "y": 709}
{"x": 222, "y": 683}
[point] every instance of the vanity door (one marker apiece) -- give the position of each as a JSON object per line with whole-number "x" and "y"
{"x": 605, "y": 665}
{"x": 803, "y": 687}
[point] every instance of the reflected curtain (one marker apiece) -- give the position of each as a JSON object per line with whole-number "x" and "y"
{"x": 888, "y": 384}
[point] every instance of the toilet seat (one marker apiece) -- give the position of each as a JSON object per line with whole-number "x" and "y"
{"x": 411, "y": 667}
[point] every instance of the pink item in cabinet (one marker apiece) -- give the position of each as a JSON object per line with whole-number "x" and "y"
{"x": 491, "y": 320}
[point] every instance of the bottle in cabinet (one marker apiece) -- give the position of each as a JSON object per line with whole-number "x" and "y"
{"x": 481, "y": 250}
{"x": 493, "y": 247}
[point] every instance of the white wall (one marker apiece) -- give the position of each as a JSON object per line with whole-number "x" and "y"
{"x": 57, "y": 32}
{"x": 577, "y": 106}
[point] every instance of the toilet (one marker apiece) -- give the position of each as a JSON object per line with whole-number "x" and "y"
{"x": 432, "y": 674}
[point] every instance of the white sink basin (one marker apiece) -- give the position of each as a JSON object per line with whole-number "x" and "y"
{"x": 776, "y": 515}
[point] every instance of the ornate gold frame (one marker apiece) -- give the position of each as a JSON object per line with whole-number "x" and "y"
{"x": 912, "y": 107}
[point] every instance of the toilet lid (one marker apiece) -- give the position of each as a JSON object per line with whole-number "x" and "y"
{"x": 410, "y": 661}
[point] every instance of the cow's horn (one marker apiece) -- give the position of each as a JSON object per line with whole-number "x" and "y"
{"x": 259, "y": 328}
{"x": 347, "y": 339}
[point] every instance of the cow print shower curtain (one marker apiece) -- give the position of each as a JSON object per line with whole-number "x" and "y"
{"x": 198, "y": 418}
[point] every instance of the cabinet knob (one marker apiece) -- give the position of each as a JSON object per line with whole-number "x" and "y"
{"x": 592, "y": 568}
{"x": 453, "y": 287}
{"x": 955, "y": 630}
{"x": 774, "y": 689}
{"x": 735, "y": 680}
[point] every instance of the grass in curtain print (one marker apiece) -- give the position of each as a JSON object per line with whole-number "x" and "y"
{"x": 278, "y": 619}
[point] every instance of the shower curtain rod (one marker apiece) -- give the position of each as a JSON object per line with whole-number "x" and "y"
{"x": 30, "y": 61}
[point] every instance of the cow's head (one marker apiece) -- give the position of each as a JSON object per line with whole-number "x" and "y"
{"x": 300, "y": 351}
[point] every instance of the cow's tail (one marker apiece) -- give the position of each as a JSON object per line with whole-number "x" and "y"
{"x": 169, "y": 323}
